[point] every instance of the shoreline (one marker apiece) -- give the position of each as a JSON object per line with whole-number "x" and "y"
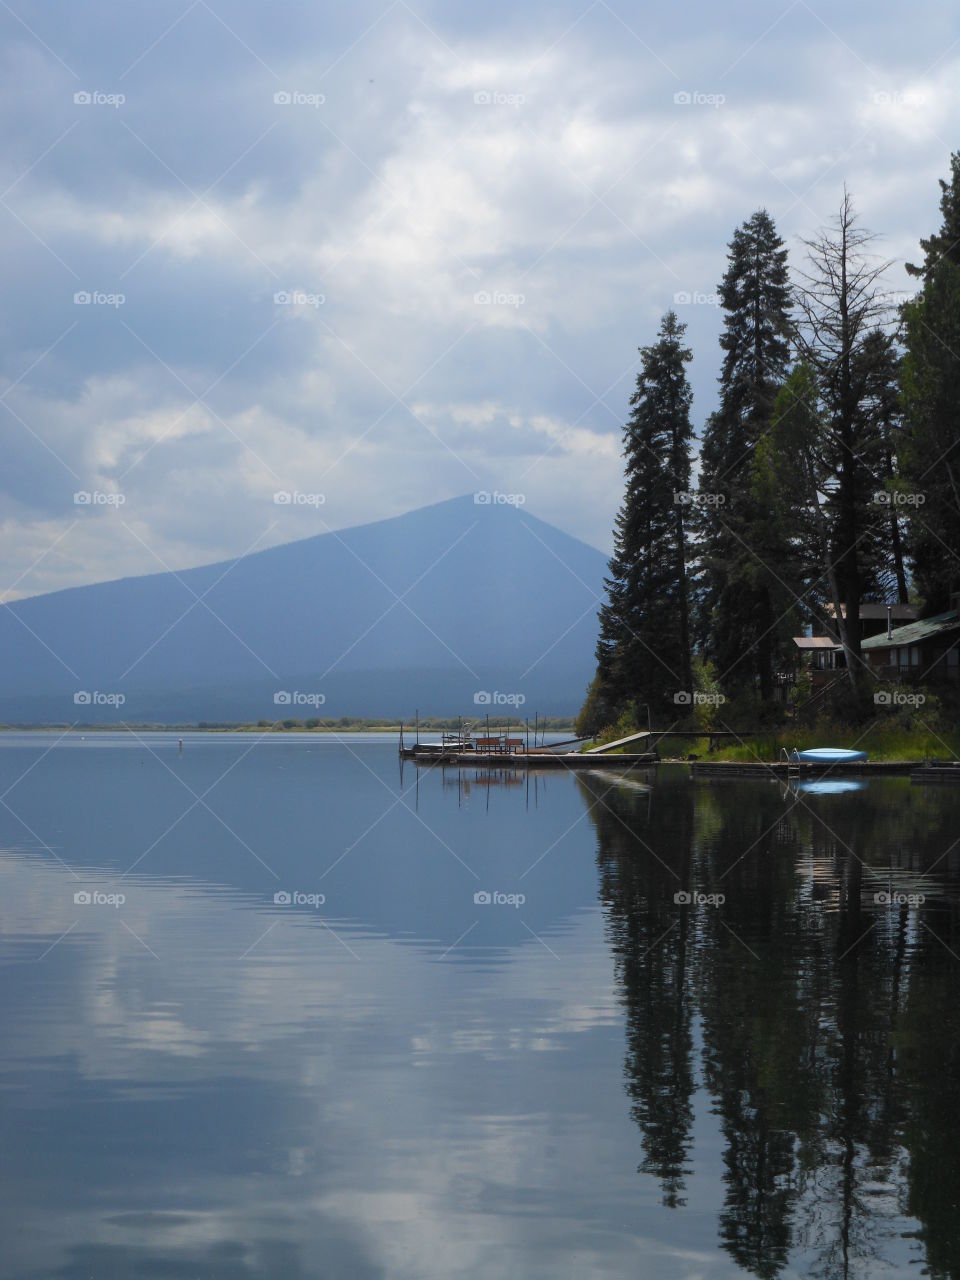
{"x": 259, "y": 730}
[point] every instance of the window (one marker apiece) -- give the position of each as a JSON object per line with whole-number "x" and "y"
{"x": 915, "y": 655}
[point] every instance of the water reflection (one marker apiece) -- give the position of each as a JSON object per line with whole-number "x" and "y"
{"x": 816, "y": 1002}
{"x": 407, "y": 1083}
{"x": 827, "y": 787}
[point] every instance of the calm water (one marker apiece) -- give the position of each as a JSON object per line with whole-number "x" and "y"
{"x": 401, "y": 1081}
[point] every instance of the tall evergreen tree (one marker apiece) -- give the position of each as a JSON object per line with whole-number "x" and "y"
{"x": 802, "y": 477}
{"x": 931, "y": 405}
{"x": 878, "y": 368}
{"x": 739, "y": 618}
{"x": 643, "y": 654}
{"x": 945, "y": 243}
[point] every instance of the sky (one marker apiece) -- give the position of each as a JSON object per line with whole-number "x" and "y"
{"x": 373, "y": 256}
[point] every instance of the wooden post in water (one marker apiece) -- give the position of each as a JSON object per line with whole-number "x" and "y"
{"x": 418, "y": 726}
{"x": 527, "y": 728}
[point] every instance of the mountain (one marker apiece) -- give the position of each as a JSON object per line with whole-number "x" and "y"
{"x": 419, "y": 612}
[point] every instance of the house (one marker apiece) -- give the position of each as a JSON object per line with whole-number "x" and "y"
{"x": 874, "y": 619}
{"x": 923, "y": 651}
{"x": 822, "y": 651}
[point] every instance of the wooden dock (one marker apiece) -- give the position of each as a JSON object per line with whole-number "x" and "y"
{"x": 525, "y": 759}
{"x": 502, "y": 751}
{"x": 429, "y": 754}
{"x": 781, "y": 769}
{"x": 937, "y": 771}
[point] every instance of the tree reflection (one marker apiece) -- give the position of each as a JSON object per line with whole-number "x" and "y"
{"x": 822, "y": 1022}
{"x": 649, "y": 942}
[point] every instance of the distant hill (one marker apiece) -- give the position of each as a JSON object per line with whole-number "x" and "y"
{"x": 421, "y": 611}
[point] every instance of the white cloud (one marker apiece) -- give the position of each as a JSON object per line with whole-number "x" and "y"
{"x": 400, "y": 200}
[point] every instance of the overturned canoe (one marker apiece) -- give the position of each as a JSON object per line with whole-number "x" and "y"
{"x": 829, "y": 755}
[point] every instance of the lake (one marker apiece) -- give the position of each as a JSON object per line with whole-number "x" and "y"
{"x": 272, "y": 1008}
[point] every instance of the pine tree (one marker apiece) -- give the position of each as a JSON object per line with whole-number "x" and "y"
{"x": 738, "y": 624}
{"x": 643, "y": 654}
{"x": 945, "y": 243}
{"x": 802, "y": 475}
{"x": 877, "y": 369}
{"x": 931, "y": 405}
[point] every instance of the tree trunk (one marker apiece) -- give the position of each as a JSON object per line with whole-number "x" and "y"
{"x": 847, "y": 558}
{"x": 686, "y": 665}
{"x": 896, "y": 543}
{"x": 831, "y": 575}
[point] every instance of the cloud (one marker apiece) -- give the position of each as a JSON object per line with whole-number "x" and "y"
{"x": 495, "y": 209}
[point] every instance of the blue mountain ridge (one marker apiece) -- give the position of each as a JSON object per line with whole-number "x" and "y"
{"x": 421, "y": 611}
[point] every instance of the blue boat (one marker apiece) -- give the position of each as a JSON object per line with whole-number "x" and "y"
{"x": 829, "y": 755}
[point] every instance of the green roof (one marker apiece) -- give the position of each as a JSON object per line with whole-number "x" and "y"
{"x": 914, "y": 632}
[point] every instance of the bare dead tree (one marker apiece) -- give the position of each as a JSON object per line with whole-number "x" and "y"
{"x": 841, "y": 301}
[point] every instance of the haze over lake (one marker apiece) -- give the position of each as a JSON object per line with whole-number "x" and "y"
{"x": 404, "y": 1081}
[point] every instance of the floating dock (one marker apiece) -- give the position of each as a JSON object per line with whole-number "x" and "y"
{"x": 500, "y": 750}
{"x": 781, "y": 769}
{"x": 937, "y": 771}
{"x": 427, "y": 754}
